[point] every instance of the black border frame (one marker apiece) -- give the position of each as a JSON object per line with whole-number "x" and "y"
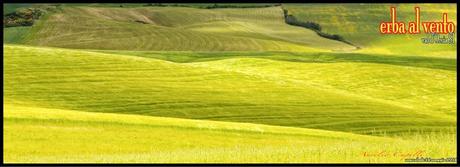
{"x": 233, "y": 164}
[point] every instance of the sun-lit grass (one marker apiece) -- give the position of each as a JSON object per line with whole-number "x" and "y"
{"x": 35, "y": 134}
{"x": 181, "y": 84}
{"x": 240, "y": 90}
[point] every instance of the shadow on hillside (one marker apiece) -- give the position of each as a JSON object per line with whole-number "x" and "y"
{"x": 411, "y": 61}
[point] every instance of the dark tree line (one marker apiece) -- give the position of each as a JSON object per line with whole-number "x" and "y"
{"x": 291, "y": 20}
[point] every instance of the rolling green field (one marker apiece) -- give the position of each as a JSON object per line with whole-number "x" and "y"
{"x": 159, "y": 28}
{"x": 90, "y": 83}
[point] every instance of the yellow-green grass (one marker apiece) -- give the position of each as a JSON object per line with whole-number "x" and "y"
{"x": 435, "y": 94}
{"x": 225, "y": 85}
{"x": 258, "y": 29}
{"x": 34, "y": 134}
{"x": 359, "y": 24}
{"x": 416, "y": 88}
{"x": 364, "y": 98}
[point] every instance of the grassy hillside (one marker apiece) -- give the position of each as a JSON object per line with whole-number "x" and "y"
{"x": 239, "y": 90}
{"x": 359, "y": 23}
{"x": 130, "y": 83}
{"x": 15, "y": 34}
{"x": 75, "y": 136}
{"x": 159, "y": 28}
{"x": 136, "y": 27}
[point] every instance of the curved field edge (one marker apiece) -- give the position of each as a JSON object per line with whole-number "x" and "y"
{"x": 305, "y": 57}
{"x": 76, "y": 136}
{"x": 21, "y": 113}
{"x": 236, "y": 91}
